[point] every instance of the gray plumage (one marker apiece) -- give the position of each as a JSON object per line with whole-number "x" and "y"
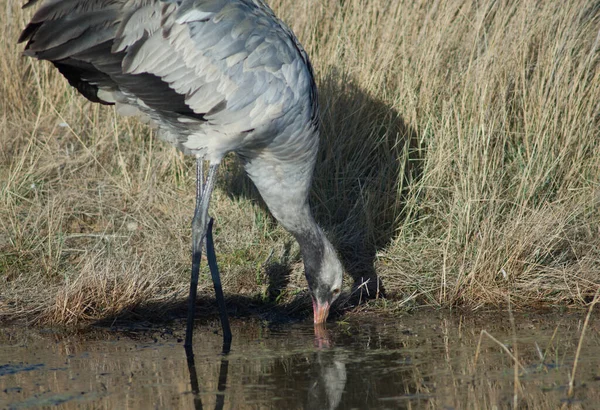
{"x": 214, "y": 76}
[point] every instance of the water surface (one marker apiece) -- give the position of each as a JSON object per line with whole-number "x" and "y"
{"x": 422, "y": 360}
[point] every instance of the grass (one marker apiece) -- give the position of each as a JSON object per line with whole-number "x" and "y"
{"x": 459, "y": 162}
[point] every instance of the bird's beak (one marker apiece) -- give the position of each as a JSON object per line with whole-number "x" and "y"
{"x": 321, "y": 311}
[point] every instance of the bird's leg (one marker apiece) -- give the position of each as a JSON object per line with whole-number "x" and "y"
{"x": 196, "y": 254}
{"x": 199, "y": 228}
{"x": 214, "y": 271}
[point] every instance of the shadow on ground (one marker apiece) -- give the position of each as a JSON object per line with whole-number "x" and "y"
{"x": 267, "y": 307}
{"x": 238, "y": 307}
{"x": 369, "y": 157}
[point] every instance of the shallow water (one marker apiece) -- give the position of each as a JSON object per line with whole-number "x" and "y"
{"x": 424, "y": 360}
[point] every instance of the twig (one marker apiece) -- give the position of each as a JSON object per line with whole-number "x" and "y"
{"x": 516, "y": 384}
{"x": 585, "y": 325}
{"x": 484, "y": 332}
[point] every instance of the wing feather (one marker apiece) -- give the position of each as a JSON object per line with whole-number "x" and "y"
{"x": 229, "y": 65}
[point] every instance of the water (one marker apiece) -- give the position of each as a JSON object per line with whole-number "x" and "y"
{"x": 424, "y": 360}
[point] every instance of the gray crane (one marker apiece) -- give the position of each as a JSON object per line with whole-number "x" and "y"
{"x": 214, "y": 76}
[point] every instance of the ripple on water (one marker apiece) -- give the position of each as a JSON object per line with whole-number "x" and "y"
{"x": 425, "y": 359}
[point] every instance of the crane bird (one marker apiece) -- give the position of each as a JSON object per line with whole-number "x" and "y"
{"x": 214, "y": 76}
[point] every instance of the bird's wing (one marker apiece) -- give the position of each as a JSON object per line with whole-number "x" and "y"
{"x": 229, "y": 63}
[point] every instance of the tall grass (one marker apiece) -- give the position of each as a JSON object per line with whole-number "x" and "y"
{"x": 460, "y": 161}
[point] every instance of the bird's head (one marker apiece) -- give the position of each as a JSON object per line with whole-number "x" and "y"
{"x": 324, "y": 281}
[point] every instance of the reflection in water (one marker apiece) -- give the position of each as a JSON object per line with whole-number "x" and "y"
{"x": 328, "y": 372}
{"x": 322, "y": 336}
{"x": 426, "y": 361}
{"x": 191, "y": 364}
{"x": 223, "y": 369}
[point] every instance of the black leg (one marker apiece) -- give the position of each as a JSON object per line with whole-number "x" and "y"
{"x": 214, "y": 271}
{"x": 199, "y": 229}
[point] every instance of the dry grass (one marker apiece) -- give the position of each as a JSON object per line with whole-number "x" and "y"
{"x": 460, "y": 161}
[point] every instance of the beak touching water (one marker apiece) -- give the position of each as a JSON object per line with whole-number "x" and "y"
{"x": 321, "y": 311}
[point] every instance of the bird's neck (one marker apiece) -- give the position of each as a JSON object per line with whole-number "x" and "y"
{"x": 313, "y": 245}
{"x": 284, "y": 186}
